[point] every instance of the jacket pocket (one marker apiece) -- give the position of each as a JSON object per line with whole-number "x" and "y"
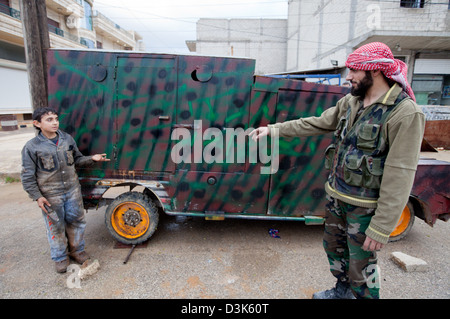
{"x": 372, "y": 173}
{"x": 353, "y": 175}
{"x": 368, "y": 136}
{"x": 329, "y": 156}
{"x": 48, "y": 162}
{"x": 363, "y": 171}
{"x": 69, "y": 155}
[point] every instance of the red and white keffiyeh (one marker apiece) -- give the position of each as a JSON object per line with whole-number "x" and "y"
{"x": 378, "y": 56}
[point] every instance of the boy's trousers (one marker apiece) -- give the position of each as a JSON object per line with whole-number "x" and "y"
{"x": 67, "y": 235}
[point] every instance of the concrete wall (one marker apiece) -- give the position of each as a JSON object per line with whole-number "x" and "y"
{"x": 261, "y": 39}
{"x": 324, "y": 30}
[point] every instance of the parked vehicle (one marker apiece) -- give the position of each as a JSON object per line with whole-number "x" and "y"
{"x": 129, "y": 105}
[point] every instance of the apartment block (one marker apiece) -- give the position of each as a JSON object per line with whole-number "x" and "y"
{"x": 71, "y": 24}
{"x": 320, "y": 34}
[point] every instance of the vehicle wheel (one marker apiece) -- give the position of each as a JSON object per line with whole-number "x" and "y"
{"x": 131, "y": 218}
{"x": 405, "y": 223}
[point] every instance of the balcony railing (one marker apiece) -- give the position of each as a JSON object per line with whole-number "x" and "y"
{"x": 101, "y": 16}
{"x": 55, "y": 30}
{"x": 9, "y": 11}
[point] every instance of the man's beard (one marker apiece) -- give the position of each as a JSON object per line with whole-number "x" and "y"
{"x": 364, "y": 85}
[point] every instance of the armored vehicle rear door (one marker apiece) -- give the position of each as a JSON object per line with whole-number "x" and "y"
{"x": 145, "y": 109}
{"x": 297, "y": 189}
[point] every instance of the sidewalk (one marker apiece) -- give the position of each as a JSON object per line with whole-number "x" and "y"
{"x": 11, "y": 144}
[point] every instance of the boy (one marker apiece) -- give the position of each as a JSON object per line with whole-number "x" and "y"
{"x": 49, "y": 177}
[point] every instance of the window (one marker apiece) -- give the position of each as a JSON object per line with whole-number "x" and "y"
{"x": 87, "y": 22}
{"x": 412, "y": 3}
{"x": 87, "y": 42}
{"x": 428, "y": 89}
{"x": 4, "y": 7}
{"x": 53, "y": 26}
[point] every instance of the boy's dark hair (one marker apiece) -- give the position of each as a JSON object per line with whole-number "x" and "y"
{"x": 39, "y": 112}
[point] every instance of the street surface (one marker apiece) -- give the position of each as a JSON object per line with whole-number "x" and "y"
{"x": 194, "y": 258}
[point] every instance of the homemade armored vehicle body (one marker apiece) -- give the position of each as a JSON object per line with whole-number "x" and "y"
{"x": 129, "y": 104}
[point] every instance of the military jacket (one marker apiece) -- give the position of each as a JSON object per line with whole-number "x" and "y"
{"x": 356, "y": 158}
{"x": 374, "y": 158}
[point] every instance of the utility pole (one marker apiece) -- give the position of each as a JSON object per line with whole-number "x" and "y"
{"x": 36, "y": 42}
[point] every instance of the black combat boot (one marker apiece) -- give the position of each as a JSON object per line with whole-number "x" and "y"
{"x": 341, "y": 291}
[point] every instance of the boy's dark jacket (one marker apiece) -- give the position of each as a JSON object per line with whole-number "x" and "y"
{"x": 49, "y": 169}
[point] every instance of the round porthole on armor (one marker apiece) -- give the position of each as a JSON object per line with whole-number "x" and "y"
{"x": 97, "y": 72}
{"x": 202, "y": 73}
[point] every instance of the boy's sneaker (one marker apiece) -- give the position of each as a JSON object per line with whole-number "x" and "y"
{"x": 341, "y": 291}
{"x": 80, "y": 257}
{"x": 61, "y": 266}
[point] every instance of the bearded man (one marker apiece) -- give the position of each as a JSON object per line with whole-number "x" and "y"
{"x": 378, "y": 130}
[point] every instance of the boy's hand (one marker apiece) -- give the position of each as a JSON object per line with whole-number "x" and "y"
{"x": 259, "y": 132}
{"x": 100, "y": 158}
{"x": 41, "y": 201}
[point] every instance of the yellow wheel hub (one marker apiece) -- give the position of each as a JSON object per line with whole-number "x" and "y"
{"x": 403, "y": 223}
{"x": 130, "y": 220}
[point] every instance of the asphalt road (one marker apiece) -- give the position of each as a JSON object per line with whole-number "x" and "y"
{"x": 194, "y": 258}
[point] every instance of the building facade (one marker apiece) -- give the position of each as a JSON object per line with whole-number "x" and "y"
{"x": 262, "y": 39}
{"x": 320, "y": 34}
{"x": 71, "y": 24}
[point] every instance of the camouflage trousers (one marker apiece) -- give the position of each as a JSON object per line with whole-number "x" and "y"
{"x": 344, "y": 236}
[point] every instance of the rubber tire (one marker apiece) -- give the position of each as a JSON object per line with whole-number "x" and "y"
{"x": 149, "y": 208}
{"x": 408, "y": 228}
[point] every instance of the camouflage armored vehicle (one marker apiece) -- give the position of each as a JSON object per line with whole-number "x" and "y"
{"x": 154, "y": 115}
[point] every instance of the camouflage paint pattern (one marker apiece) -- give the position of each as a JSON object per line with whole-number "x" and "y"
{"x": 297, "y": 189}
{"x": 127, "y": 104}
{"x": 431, "y": 190}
